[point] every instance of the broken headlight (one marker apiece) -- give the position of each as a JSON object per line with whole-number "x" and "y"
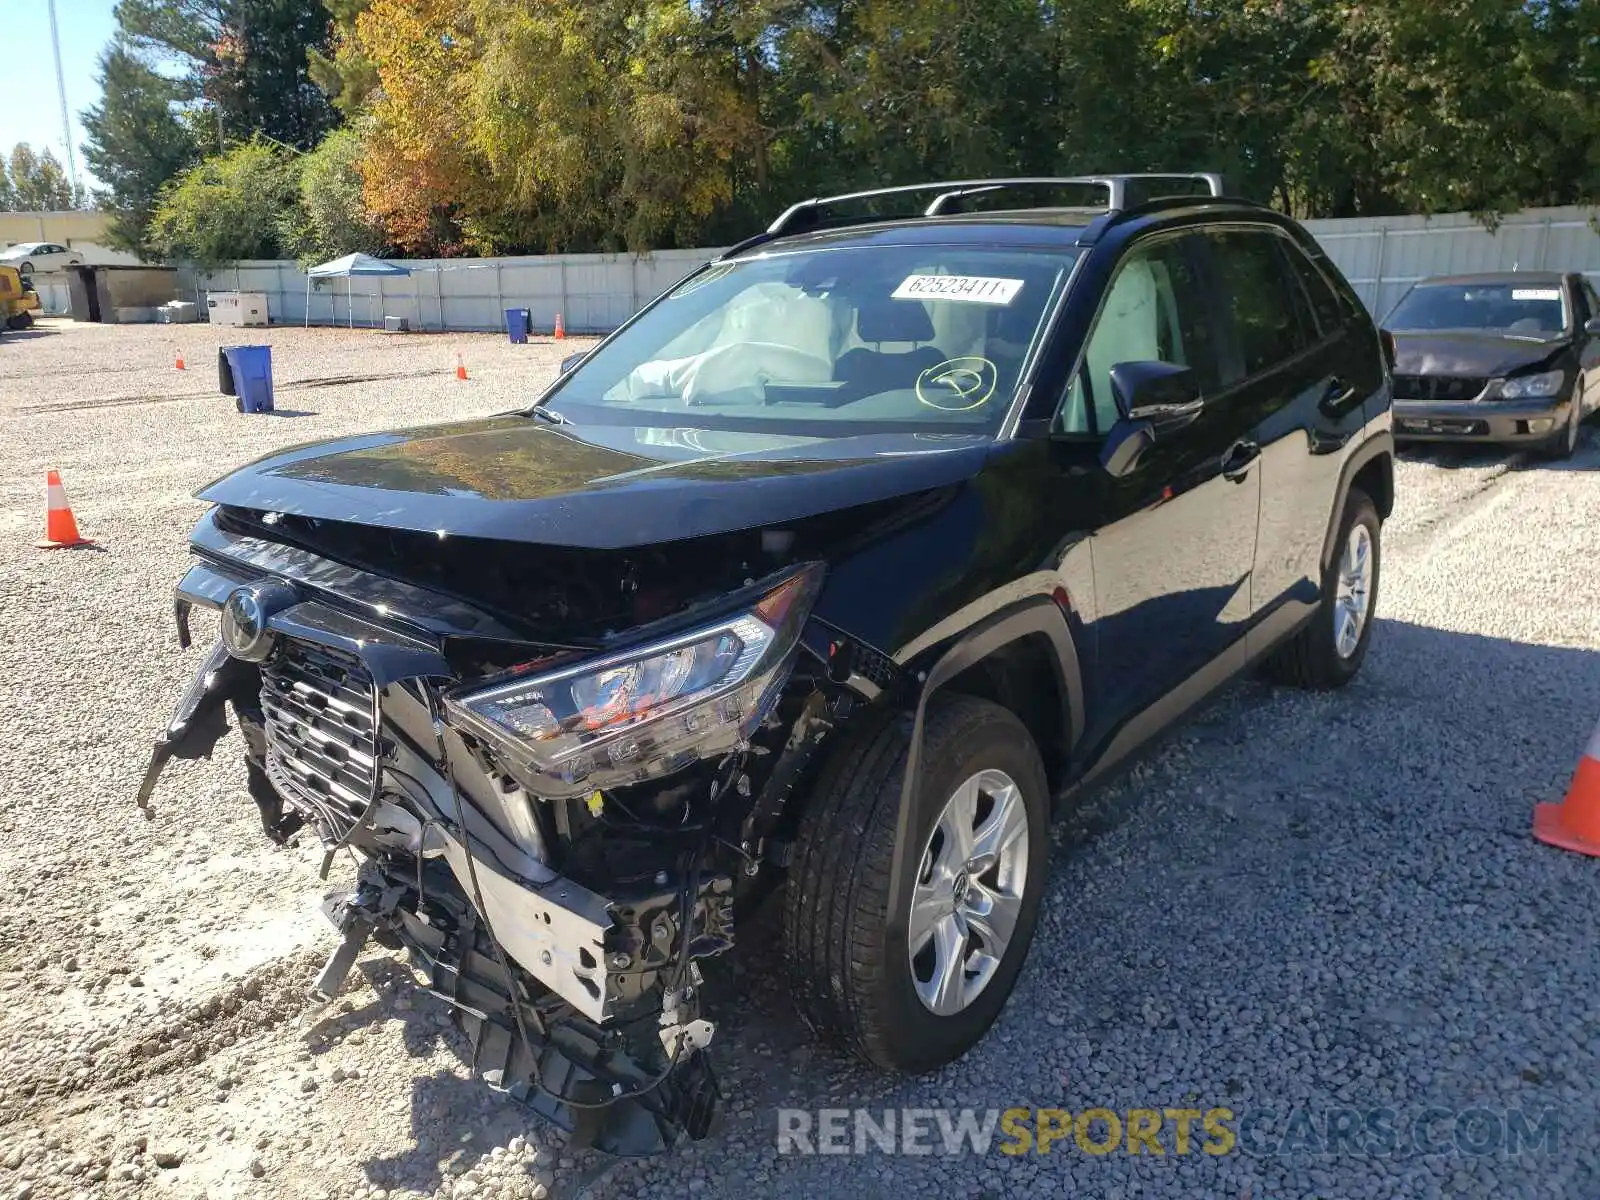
{"x": 650, "y": 710}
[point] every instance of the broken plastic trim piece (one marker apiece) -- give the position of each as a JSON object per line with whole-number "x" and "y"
{"x": 198, "y": 722}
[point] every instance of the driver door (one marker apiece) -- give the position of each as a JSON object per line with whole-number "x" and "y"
{"x": 1173, "y": 555}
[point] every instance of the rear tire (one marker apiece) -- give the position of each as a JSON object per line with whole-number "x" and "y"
{"x": 1314, "y": 658}
{"x": 854, "y": 977}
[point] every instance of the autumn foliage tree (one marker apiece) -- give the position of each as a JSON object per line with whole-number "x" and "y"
{"x": 507, "y": 126}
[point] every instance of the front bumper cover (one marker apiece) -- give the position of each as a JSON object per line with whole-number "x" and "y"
{"x": 1478, "y": 420}
{"x": 553, "y": 927}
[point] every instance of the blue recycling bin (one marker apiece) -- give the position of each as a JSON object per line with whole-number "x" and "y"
{"x": 251, "y": 367}
{"x": 517, "y": 322}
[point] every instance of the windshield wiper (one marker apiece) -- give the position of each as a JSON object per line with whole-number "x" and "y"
{"x": 548, "y": 414}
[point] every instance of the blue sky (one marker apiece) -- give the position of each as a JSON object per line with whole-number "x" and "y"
{"x": 30, "y": 112}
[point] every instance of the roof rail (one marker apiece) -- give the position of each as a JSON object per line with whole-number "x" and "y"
{"x": 807, "y": 214}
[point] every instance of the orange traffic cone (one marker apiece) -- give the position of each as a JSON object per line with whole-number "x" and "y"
{"x": 60, "y": 530}
{"x": 561, "y": 329}
{"x": 1575, "y": 824}
{"x": 180, "y": 365}
{"x": 461, "y": 366}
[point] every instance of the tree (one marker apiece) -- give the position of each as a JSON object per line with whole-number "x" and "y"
{"x": 331, "y": 218}
{"x": 226, "y": 207}
{"x": 246, "y": 59}
{"x": 496, "y": 127}
{"x": 136, "y": 141}
{"x": 612, "y": 123}
{"x": 345, "y": 73}
{"x": 419, "y": 171}
{"x": 36, "y": 182}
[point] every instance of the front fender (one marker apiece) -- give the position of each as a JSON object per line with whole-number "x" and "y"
{"x": 1041, "y": 615}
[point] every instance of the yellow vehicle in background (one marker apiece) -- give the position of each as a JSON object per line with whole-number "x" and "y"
{"x": 17, "y": 299}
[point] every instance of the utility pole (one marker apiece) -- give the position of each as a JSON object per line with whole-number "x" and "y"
{"x": 61, "y": 94}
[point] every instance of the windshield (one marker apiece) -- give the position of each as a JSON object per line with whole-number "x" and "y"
{"x": 1534, "y": 309}
{"x": 841, "y": 340}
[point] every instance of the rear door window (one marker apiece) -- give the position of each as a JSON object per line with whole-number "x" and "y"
{"x": 1254, "y": 290}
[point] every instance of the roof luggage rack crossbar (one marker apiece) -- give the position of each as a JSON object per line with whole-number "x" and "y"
{"x": 807, "y": 214}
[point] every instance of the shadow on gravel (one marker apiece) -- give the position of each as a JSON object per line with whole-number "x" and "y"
{"x": 1293, "y": 903}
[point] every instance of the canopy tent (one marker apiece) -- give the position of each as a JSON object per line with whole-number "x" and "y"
{"x": 347, "y": 268}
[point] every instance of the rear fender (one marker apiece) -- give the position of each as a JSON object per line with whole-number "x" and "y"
{"x": 1377, "y": 446}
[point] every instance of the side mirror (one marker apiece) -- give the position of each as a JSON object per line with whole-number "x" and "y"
{"x": 1159, "y": 398}
{"x": 573, "y": 360}
{"x": 1164, "y": 396}
{"x": 1592, "y": 325}
{"x": 1125, "y": 446}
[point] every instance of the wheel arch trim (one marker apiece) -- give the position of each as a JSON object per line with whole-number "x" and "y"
{"x": 1374, "y": 447}
{"x": 1041, "y": 615}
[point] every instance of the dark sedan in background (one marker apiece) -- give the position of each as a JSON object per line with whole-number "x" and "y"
{"x": 1512, "y": 357}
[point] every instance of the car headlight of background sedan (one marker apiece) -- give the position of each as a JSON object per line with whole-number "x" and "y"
{"x": 647, "y": 711}
{"x": 1532, "y": 387}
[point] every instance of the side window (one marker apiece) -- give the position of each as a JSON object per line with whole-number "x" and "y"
{"x": 1324, "y": 300}
{"x": 1153, "y": 312}
{"x": 1592, "y": 300}
{"x": 1255, "y": 291}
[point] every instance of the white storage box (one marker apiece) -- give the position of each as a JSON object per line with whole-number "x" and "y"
{"x": 177, "y": 312}
{"x": 237, "y": 308}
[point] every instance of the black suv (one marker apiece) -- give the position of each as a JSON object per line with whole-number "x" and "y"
{"x": 834, "y": 566}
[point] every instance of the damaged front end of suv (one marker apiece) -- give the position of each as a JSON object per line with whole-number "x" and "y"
{"x": 554, "y": 828}
{"x": 574, "y": 682}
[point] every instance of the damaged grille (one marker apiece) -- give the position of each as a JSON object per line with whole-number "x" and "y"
{"x": 1449, "y": 389}
{"x": 321, "y": 743}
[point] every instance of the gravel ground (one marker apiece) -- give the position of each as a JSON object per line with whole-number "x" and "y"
{"x": 1311, "y": 910}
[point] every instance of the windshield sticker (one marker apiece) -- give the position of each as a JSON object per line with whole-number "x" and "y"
{"x": 969, "y": 289}
{"x": 1536, "y": 293}
{"x": 957, "y": 384}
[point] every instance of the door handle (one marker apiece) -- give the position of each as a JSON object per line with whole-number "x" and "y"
{"x": 1337, "y": 399}
{"x": 1236, "y": 462}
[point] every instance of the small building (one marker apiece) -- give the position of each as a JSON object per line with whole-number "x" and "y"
{"x": 84, "y": 229}
{"x": 117, "y": 295}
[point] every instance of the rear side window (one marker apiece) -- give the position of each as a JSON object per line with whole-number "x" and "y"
{"x": 1330, "y": 314}
{"x": 1255, "y": 292}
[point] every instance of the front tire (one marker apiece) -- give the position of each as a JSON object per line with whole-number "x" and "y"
{"x": 1565, "y": 444}
{"x": 914, "y": 994}
{"x": 1327, "y": 652}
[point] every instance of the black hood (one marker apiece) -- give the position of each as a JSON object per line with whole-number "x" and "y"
{"x": 517, "y": 478}
{"x": 1474, "y": 355}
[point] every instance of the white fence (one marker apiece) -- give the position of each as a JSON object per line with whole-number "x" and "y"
{"x": 594, "y": 293}
{"x": 1381, "y": 256}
